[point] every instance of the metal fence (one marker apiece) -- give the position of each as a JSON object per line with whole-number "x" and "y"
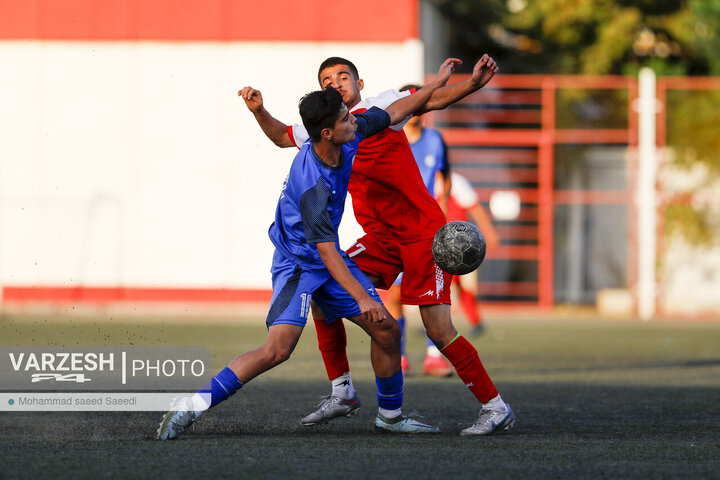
{"x": 567, "y": 146}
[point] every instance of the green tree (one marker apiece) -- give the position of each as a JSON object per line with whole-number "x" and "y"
{"x": 674, "y": 37}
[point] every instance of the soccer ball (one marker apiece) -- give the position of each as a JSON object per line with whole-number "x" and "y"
{"x": 458, "y": 248}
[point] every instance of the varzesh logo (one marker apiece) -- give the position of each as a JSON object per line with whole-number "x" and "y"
{"x": 61, "y": 366}
{"x": 91, "y": 368}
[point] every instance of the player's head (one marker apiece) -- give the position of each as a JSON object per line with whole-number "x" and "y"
{"x": 326, "y": 117}
{"x": 342, "y": 75}
{"x": 416, "y": 120}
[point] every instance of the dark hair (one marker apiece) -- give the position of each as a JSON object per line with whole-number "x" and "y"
{"x": 410, "y": 86}
{"x": 320, "y": 110}
{"x": 332, "y": 61}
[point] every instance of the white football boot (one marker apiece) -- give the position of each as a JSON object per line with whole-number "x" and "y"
{"x": 491, "y": 421}
{"x": 331, "y": 407}
{"x": 401, "y": 424}
{"x": 177, "y": 420}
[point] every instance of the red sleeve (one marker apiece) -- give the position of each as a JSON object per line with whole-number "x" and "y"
{"x": 290, "y": 134}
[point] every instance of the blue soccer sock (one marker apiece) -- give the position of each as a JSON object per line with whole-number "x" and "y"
{"x": 220, "y": 388}
{"x": 401, "y": 321}
{"x": 390, "y": 392}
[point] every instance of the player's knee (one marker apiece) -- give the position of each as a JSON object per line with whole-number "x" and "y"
{"x": 395, "y": 332}
{"x": 388, "y": 336}
{"x": 281, "y": 356}
{"x": 439, "y": 334}
{"x": 469, "y": 282}
{"x": 277, "y": 354}
{"x": 431, "y": 333}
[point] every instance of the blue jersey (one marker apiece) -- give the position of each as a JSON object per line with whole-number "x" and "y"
{"x": 431, "y": 156}
{"x": 312, "y": 200}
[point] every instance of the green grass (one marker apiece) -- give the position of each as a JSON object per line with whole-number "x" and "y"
{"x": 594, "y": 398}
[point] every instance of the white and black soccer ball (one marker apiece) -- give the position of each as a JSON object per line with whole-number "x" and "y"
{"x": 458, "y": 248}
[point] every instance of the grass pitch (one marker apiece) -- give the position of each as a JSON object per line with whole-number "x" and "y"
{"x": 594, "y": 399}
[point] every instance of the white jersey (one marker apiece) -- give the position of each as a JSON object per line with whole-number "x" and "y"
{"x": 299, "y": 135}
{"x": 461, "y": 191}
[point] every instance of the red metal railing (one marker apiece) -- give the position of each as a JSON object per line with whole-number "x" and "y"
{"x": 509, "y": 128}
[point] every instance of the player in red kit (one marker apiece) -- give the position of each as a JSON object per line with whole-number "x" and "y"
{"x": 399, "y": 217}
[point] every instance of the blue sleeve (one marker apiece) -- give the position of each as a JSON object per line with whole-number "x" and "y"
{"x": 445, "y": 169}
{"x": 373, "y": 121}
{"x": 315, "y": 217}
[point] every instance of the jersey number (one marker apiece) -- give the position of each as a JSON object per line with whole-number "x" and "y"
{"x": 305, "y": 306}
{"x": 359, "y": 249}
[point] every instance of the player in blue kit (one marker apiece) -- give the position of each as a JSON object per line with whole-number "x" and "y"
{"x": 430, "y": 153}
{"x": 308, "y": 263}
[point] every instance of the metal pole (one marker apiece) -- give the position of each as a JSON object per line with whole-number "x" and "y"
{"x": 646, "y": 193}
{"x": 546, "y": 200}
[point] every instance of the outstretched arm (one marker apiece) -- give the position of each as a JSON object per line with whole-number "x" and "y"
{"x": 400, "y": 109}
{"x": 273, "y": 128}
{"x": 335, "y": 264}
{"x": 483, "y": 71}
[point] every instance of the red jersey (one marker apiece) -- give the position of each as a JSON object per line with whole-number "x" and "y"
{"x": 388, "y": 193}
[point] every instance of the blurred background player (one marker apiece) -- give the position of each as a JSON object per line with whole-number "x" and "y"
{"x": 464, "y": 205}
{"x": 430, "y": 153}
{"x": 400, "y": 218}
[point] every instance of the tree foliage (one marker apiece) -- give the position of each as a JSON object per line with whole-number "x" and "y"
{"x": 674, "y": 37}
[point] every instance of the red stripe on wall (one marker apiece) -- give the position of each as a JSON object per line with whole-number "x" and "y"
{"x": 104, "y": 295}
{"x": 110, "y": 295}
{"x": 210, "y": 20}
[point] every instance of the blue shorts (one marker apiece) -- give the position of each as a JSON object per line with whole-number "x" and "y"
{"x": 294, "y": 287}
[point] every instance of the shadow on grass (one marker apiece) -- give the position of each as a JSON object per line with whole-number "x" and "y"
{"x": 693, "y": 363}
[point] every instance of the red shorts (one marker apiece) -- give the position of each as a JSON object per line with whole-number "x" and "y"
{"x": 423, "y": 283}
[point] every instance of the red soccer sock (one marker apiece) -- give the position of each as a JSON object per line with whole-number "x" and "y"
{"x": 332, "y": 342}
{"x": 470, "y": 369}
{"x": 469, "y": 307}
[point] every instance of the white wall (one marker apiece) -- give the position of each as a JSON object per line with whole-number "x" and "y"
{"x": 690, "y": 274}
{"x": 136, "y": 164}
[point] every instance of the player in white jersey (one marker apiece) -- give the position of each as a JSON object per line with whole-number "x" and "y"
{"x": 463, "y": 204}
